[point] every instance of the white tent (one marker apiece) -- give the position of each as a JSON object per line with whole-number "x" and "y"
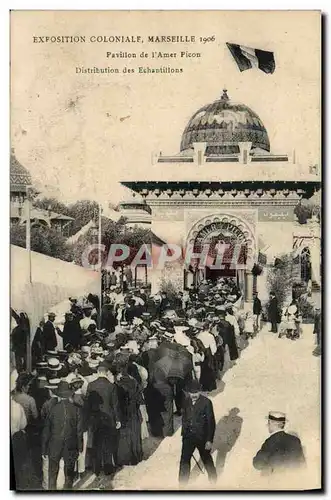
{"x": 53, "y": 281}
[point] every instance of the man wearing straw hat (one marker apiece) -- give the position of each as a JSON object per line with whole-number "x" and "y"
{"x": 281, "y": 451}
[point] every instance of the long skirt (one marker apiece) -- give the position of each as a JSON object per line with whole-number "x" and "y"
{"x": 208, "y": 376}
{"x": 130, "y": 450}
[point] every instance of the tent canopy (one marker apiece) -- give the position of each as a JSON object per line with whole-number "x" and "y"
{"x": 53, "y": 281}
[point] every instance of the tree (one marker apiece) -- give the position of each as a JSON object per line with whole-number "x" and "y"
{"x": 82, "y": 212}
{"x": 17, "y": 235}
{"x": 280, "y": 278}
{"x": 307, "y": 208}
{"x": 52, "y": 204}
{"x": 44, "y": 240}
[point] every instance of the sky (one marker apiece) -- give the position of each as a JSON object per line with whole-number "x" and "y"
{"x": 80, "y": 134}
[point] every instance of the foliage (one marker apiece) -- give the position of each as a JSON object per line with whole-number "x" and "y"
{"x": 305, "y": 307}
{"x": 169, "y": 287}
{"x": 83, "y": 211}
{"x": 280, "y": 280}
{"x": 52, "y": 204}
{"x": 112, "y": 233}
{"x": 17, "y": 235}
{"x": 304, "y": 212}
{"x": 44, "y": 240}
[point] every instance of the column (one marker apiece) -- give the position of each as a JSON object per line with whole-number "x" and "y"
{"x": 241, "y": 281}
{"x": 249, "y": 286}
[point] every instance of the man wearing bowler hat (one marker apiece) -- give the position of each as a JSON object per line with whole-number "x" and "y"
{"x": 198, "y": 429}
{"x": 281, "y": 451}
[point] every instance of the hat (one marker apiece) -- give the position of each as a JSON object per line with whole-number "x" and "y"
{"x": 76, "y": 381}
{"x": 42, "y": 381}
{"x": 193, "y": 386}
{"x": 124, "y": 323}
{"x": 153, "y": 337}
{"x": 277, "y": 416}
{"x": 168, "y": 335}
{"x": 85, "y": 370}
{"x": 53, "y": 354}
{"x": 105, "y": 364}
{"x": 52, "y": 383}
{"x": 161, "y": 328}
{"x": 74, "y": 359}
{"x": 51, "y": 313}
{"x": 146, "y": 315}
{"x": 54, "y": 364}
{"x": 93, "y": 363}
{"x": 63, "y": 390}
{"x": 86, "y": 349}
{"x": 88, "y": 305}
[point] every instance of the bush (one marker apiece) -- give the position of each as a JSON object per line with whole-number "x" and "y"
{"x": 306, "y": 309}
{"x": 168, "y": 287}
{"x": 280, "y": 280}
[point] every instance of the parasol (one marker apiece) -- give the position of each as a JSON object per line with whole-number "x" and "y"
{"x": 173, "y": 367}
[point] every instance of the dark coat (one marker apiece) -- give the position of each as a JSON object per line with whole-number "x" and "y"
{"x": 72, "y": 334}
{"x": 18, "y": 339}
{"x": 273, "y": 310}
{"x": 226, "y": 332}
{"x": 49, "y": 337}
{"x": 108, "y": 400}
{"x": 257, "y": 306}
{"x": 280, "y": 450}
{"x": 198, "y": 421}
{"x": 62, "y": 434}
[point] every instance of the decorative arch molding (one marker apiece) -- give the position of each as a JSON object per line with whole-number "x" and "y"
{"x": 227, "y": 219}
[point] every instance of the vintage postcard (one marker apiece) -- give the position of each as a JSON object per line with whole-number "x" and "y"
{"x": 165, "y": 213}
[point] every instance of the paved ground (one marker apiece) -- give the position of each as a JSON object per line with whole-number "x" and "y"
{"x": 271, "y": 374}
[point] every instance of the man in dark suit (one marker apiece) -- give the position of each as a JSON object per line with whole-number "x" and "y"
{"x": 257, "y": 309}
{"x": 281, "y": 451}
{"x": 62, "y": 437}
{"x": 273, "y": 312}
{"x": 226, "y": 332}
{"x": 198, "y": 429}
{"x": 49, "y": 339}
{"x": 103, "y": 409}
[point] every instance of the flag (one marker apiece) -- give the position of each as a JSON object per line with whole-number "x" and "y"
{"x": 247, "y": 58}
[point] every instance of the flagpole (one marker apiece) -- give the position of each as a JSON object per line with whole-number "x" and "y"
{"x": 28, "y": 231}
{"x": 28, "y": 248}
{"x": 100, "y": 263}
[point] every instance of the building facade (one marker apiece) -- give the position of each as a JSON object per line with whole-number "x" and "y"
{"x": 226, "y": 187}
{"x": 20, "y": 185}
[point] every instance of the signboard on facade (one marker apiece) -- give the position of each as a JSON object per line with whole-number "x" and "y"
{"x": 276, "y": 214}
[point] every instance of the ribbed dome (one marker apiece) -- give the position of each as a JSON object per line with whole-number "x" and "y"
{"x": 19, "y": 175}
{"x": 222, "y": 125}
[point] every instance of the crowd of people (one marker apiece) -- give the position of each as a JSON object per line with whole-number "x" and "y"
{"x": 111, "y": 375}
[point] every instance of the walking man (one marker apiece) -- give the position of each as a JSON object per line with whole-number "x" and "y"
{"x": 198, "y": 429}
{"x": 62, "y": 437}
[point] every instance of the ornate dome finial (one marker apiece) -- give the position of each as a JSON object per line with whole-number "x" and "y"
{"x": 225, "y": 96}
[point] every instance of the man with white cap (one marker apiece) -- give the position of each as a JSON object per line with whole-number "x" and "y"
{"x": 281, "y": 451}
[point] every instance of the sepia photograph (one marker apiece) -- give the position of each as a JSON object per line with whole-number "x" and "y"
{"x": 165, "y": 250}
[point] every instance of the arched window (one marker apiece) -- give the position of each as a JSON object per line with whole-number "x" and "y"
{"x": 305, "y": 262}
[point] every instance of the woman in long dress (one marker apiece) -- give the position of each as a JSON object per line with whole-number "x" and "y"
{"x": 130, "y": 398}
